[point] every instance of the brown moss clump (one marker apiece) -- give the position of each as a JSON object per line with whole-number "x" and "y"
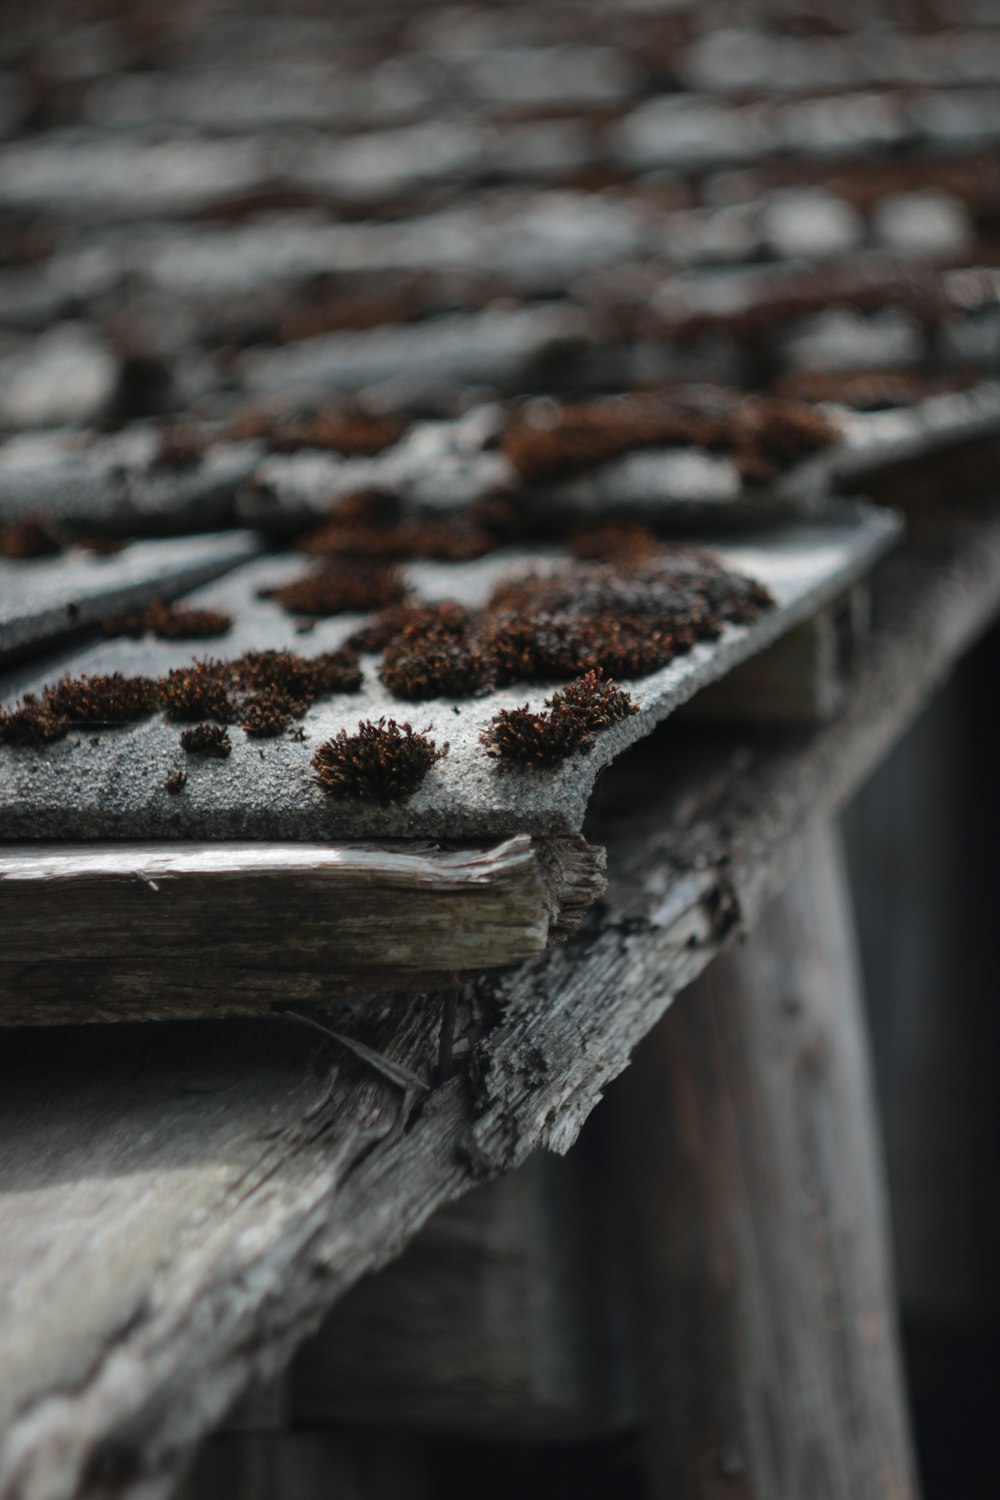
{"x": 384, "y": 762}
{"x": 262, "y": 691}
{"x": 438, "y": 667}
{"x": 336, "y": 672}
{"x": 200, "y": 691}
{"x": 111, "y": 700}
{"x": 784, "y": 296}
{"x": 762, "y": 434}
{"x": 181, "y": 445}
{"x": 102, "y": 546}
{"x": 31, "y": 722}
{"x": 176, "y": 782}
{"x": 434, "y": 657}
{"x": 445, "y": 616}
{"x": 373, "y": 524}
{"x": 595, "y": 700}
{"x": 20, "y": 541}
{"x": 351, "y": 434}
{"x": 534, "y": 741}
{"x": 341, "y": 588}
{"x": 865, "y": 390}
{"x": 101, "y": 702}
{"x": 207, "y": 739}
{"x": 627, "y": 620}
{"x": 615, "y": 543}
{"x": 169, "y": 622}
{"x": 265, "y": 716}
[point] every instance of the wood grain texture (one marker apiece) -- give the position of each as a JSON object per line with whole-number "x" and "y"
{"x": 761, "y": 1261}
{"x": 181, "y": 1204}
{"x": 136, "y": 932}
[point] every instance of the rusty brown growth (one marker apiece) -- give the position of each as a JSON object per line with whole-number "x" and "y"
{"x": 533, "y": 741}
{"x": 352, "y": 434}
{"x": 595, "y": 700}
{"x": 615, "y": 542}
{"x": 181, "y": 445}
{"x": 628, "y": 620}
{"x": 762, "y": 434}
{"x": 373, "y": 525}
{"x": 445, "y": 616}
{"x": 790, "y": 295}
{"x": 31, "y": 537}
{"x": 437, "y": 656}
{"x": 207, "y": 739}
{"x": 384, "y": 762}
{"x": 176, "y": 782}
{"x": 100, "y": 702}
{"x": 199, "y": 691}
{"x": 169, "y": 622}
{"x": 341, "y": 588}
{"x": 866, "y": 390}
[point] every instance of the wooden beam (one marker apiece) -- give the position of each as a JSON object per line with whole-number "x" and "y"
{"x": 765, "y": 1307}
{"x": 180, "y": 1205}
{"x": 136, "y": 932}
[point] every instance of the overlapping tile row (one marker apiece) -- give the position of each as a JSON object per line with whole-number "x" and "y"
{"x": 430, "y": 295}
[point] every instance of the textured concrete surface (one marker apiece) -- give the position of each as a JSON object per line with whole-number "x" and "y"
{"x": 43, "y": 599}
{"x": 111, "y": 785}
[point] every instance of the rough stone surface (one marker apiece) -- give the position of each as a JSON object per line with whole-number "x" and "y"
{"x": 44, "y": 599}
{"x": 111, "y": 785}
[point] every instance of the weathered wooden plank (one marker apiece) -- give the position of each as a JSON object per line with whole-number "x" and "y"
{"x": 272, "y": 793}
{"x": 136, "y": 932}
{"x": 179, "y": 1207}
{"x": 761, "y": 1272}
{"x": 43, "y": 599}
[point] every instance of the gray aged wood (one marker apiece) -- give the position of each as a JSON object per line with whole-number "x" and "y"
{"x": 181, "y": 1204}
{"x": 135, "y": 932}
{"x": 504, "y": 1320}
{"x": 762, "y": 1269}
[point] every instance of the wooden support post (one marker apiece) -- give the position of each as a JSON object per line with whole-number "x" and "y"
{"x": 757, "y": 1221}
